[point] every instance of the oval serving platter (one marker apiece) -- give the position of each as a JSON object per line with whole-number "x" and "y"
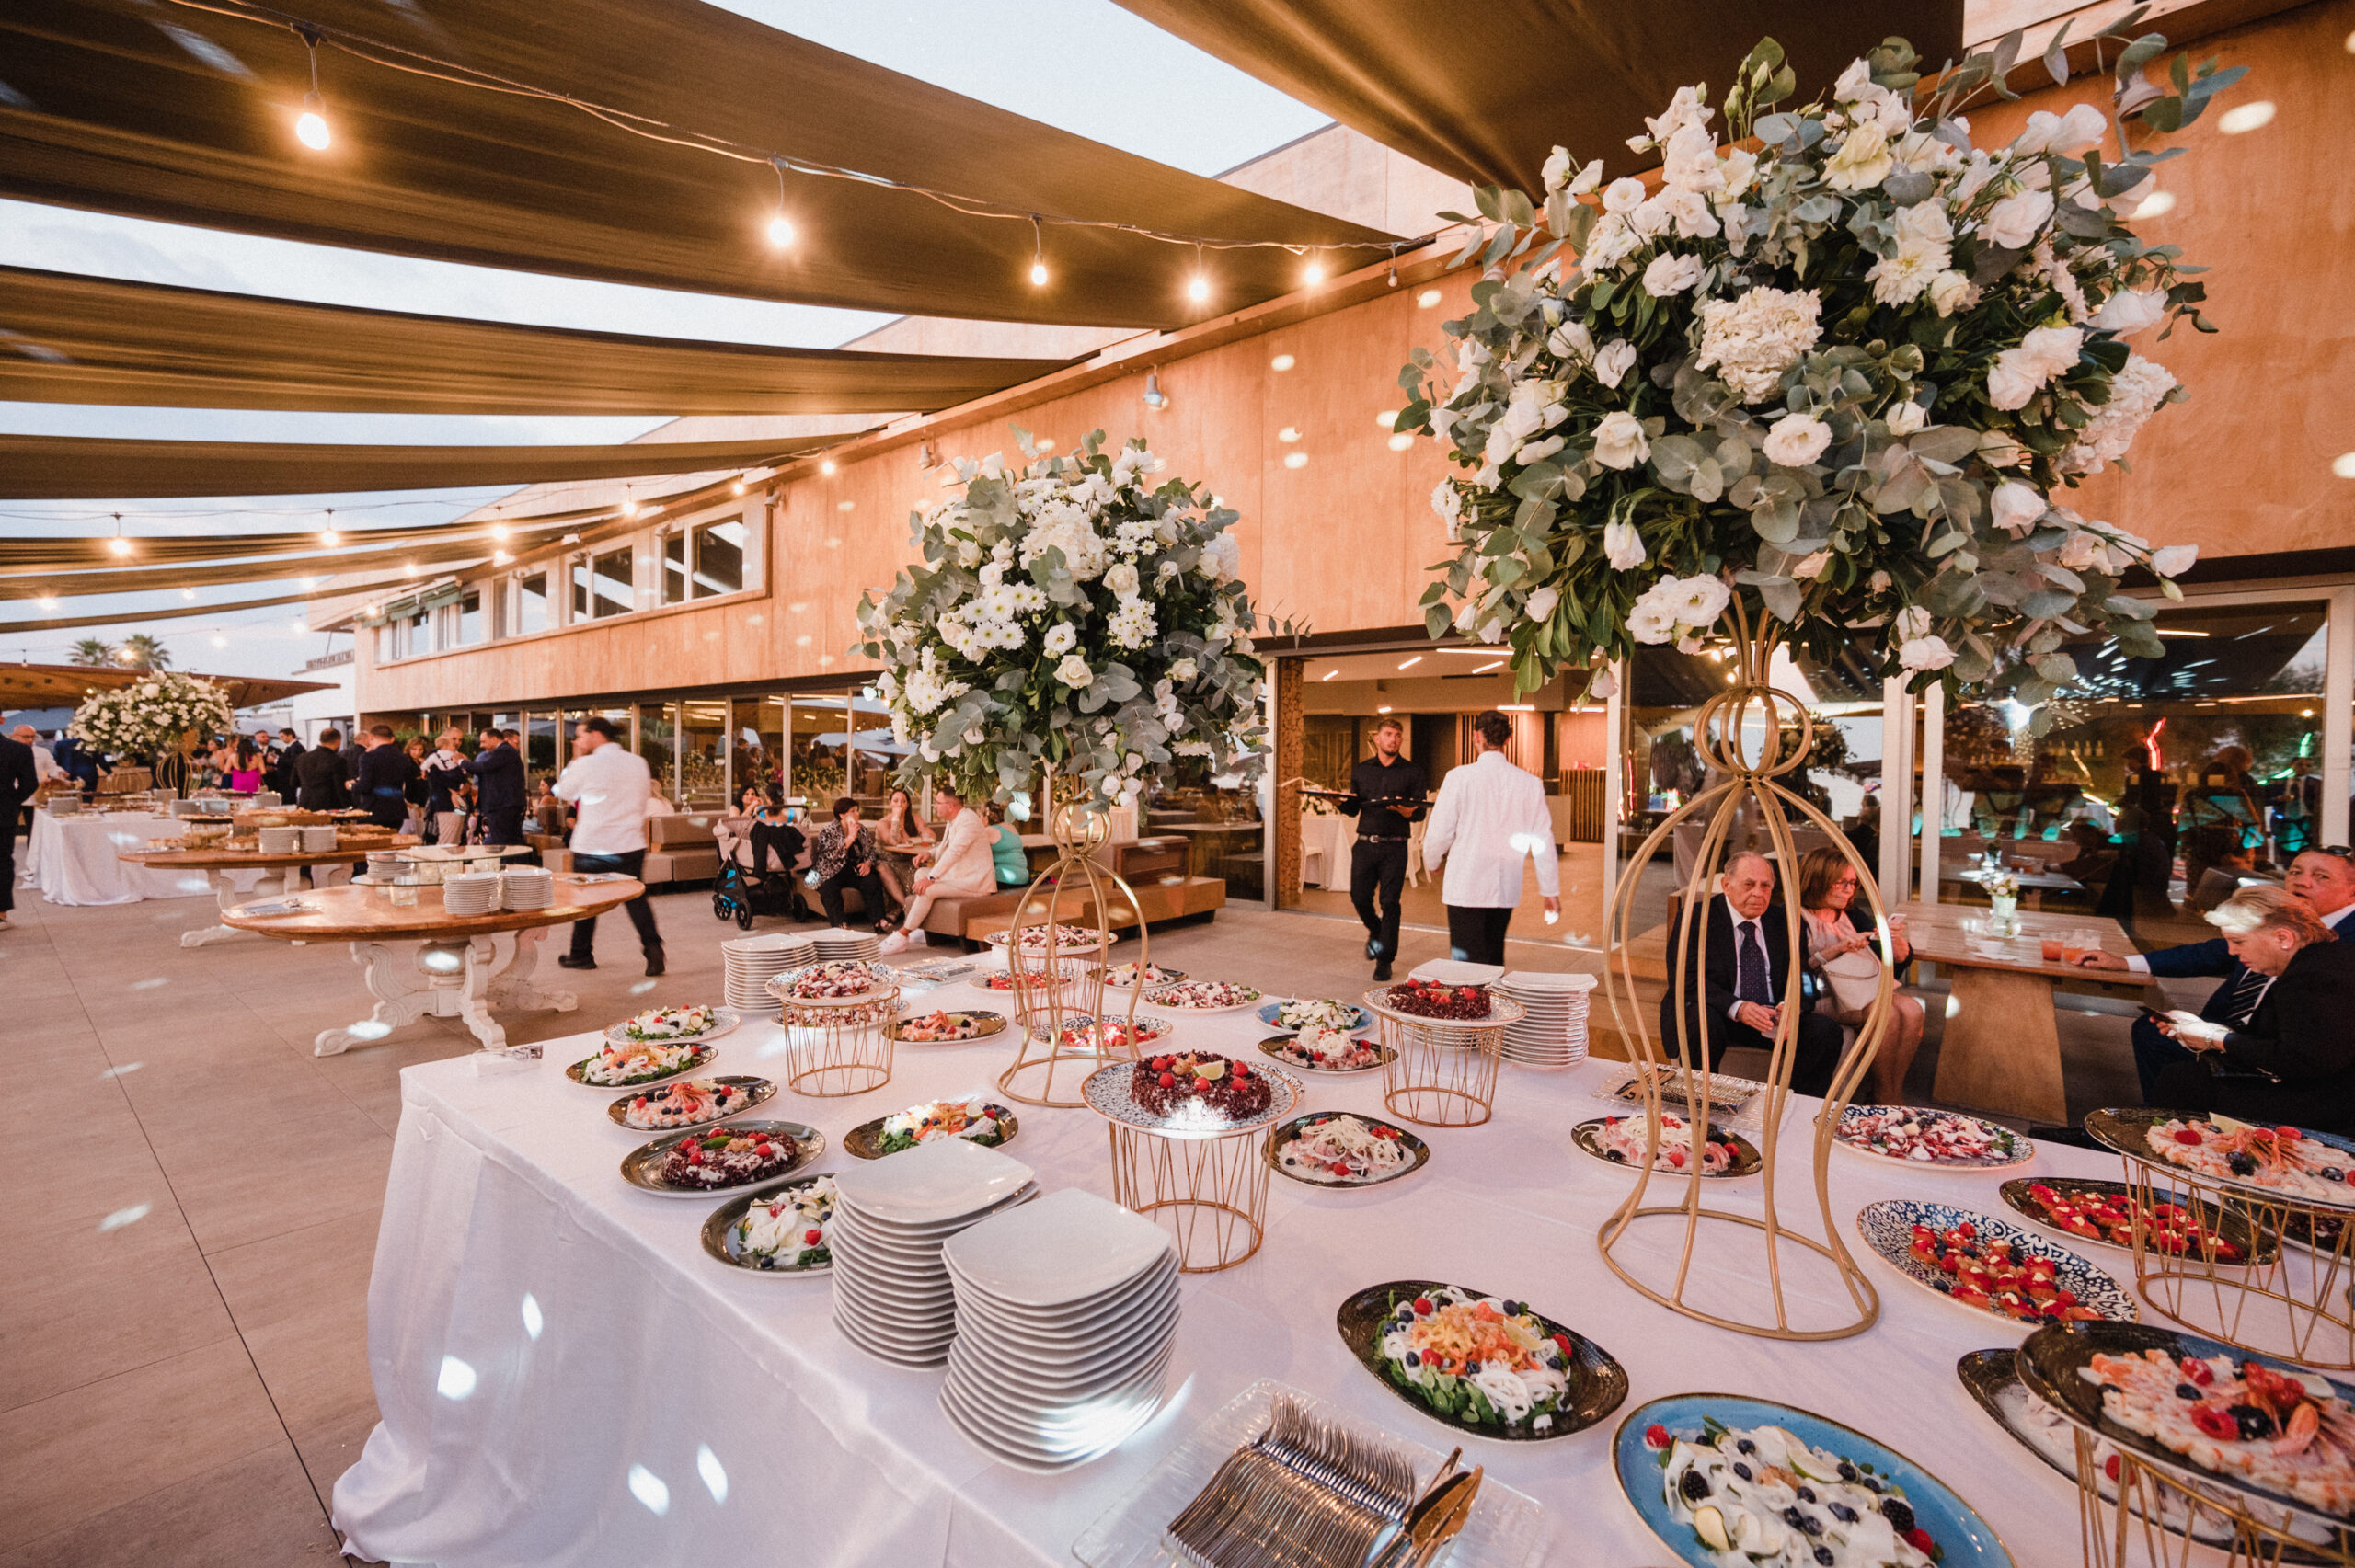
{"x": 1598, "y": 1384}
{"x": 864, "y": 1142}
{"x": 719, "y": 1233}
{"x": 642, "y": 1166}
{"x": 1887, "y": 1228}
{"x": 1268, "y": 1014}
{"x": 1279, "y": 1138}
{"x": 757, "y": 1092}
{"x": 984, "y": 1022}
{"x": 2227, "y": 1225}
{"x": 723, "y": 1020}
{"x": 1281, "y": 1048}
{"x": 2013, "y": 1148}
{"x": 2128, "y": 1131}
{"x": 1747, "y": 1161}
{"x": 701, "y": 1060}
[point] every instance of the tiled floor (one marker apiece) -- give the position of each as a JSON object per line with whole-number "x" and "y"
{"x": 184, "y": 1263}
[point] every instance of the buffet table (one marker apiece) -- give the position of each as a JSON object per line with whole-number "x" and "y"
{"x": 564, "y": 1375}
{"x": 233, "y": 874}
{"x": 76, "y": 859}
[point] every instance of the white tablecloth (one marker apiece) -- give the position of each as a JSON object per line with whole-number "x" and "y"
{"x": 1333, "y": 834}
{"x": 73, "y": 860}
{"x": 541, "y": 1333}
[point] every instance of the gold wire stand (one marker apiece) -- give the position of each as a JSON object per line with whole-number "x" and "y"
{"x": 830, "y": 1052}
{"x": 2311, "y": 1322}
{"x": 1211, "y": 1193}
{"x": 2123, "y": 1530}
{"x": 1750, "y": 789}
{"x": 1075, "y": 891}
{"x": 1441, "y": 1072}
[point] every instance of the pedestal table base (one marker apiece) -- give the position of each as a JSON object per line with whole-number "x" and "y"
{"x": 464, "y": 978}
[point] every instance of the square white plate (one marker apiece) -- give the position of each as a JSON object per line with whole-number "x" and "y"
{"x": 932, "y": 1182}
{"x": 1067, "y": 1246}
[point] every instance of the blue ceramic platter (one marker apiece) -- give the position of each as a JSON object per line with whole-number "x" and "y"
{"x": 1964, "y": 1538}
{"x": 1268, "y": 1010}
{"x": 1888, "y": 1229}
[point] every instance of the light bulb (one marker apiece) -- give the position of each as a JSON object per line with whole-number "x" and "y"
{"x": 500, "y": 557}
{"x": 119, "y": 546}
{"x": 330, "y": 538}
{"x": 48, "y": 603}
{"x": 499, "y": 530}
{"x": 737, "y": 487}
{"x": 1199, "y": 290}
{"x": 827, "y": 466}
{"x": 1037, "y": 274}
{"x": 300, "y": 627}
{"x": 629, "y": 506}
{"x": 187, "y": 593}
{"x": 220, "y": 642}
{"x": 311, "y": 129}
{"x": 1316, "y": 272}
{"x": 780, "y": 231}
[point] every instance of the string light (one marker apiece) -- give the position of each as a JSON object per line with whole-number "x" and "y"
{"x": 1393, "y": 265}
{"x": 1200, "y": 289}
{"x": 827, "y": 466}
{"x": 187, "y": 593}
{"x": 737, "y": 487}
{"x": 629, "y": 503}
{"x": 1038, "y": 254}
{"x": 780, "y": 226}
{"x": 118, "y": 544}
{"x": 311, "y": 129}
{"x": 1315, "y": 272}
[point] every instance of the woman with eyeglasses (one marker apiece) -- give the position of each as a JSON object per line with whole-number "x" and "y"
{"x": 1827, "y": 887}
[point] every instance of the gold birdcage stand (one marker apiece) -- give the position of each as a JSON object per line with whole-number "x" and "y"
{"x": 833, "y": 1049}
{"x": 1750, "y": 783}
{"x": 1441, "y": 1071}
{"x": 1074, "y": 891}
{"x": 2156, "y": 1519}
{"x": 1211, "y": 1193}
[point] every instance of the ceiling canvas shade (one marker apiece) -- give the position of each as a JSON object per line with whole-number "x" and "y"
{"x": 48, "y": 468}
{"x": 1485, "y": 89}
{"x": 136, "y": 577}
{"x": 98, "y": 340}
{"x": 64, "y": 685}
{"x": 115, "y": 113}
{"x": 183, "y": 612}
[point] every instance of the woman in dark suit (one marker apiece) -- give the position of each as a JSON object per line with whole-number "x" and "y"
{"x": 2294, "y": 1062}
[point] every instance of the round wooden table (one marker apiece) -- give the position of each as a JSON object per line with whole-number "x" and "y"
{"x": 423, "y": 962}
{"x": 223, "y": 867}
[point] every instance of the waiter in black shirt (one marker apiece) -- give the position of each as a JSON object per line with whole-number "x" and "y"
{"x": 1387, "y": 794}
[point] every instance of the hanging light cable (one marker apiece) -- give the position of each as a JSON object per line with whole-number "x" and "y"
{"x": 780, "y": 226}
{"x": 1038, "y": 254}
{"x": 311, "y": 129}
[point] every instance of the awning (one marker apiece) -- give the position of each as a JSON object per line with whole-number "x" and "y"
{"x": 182, "y": 611}
{"x": 46, "y": 468}
{"x": 68, "y": 685}
{"x": 185, "y": 114}
{"x": 467, "y": 544}
{"x": 96, "y": 340}
{"x": 1484, "y": 89}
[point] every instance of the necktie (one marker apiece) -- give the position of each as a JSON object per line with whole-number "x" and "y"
{"x": 1754, "y": 984}
{"x": 2242, "y": 1002}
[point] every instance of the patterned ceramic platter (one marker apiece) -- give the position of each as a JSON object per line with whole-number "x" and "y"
{"x": 722, "y": 1020}
{"x": 1284, "y": 1156}
{"x": 642, "y": 1166}
{"x": 1597, "y": 1384}
{"x": 1862, "y": 1126}
{"x": 750, "y": 1091}
{"x": 1203, "y": 996}
{"x": 1746, "y": 1161}
{"x": 1107, "y": 1093}
{"x": 1888, "y": 1229}
{"x": 1286, "y": 1049}
{"x": 1075, "y": 1037}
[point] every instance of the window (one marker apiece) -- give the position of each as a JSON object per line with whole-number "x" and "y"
{"x": 468, "y": 618}
{"x": 614, "y": 584}
{"x": 675, "y": 569}
{"x": 388, "y": 643}
{"x": 531, "y": 604}
{"x": 720, "y": 558}
{"x": 416, "y": 634}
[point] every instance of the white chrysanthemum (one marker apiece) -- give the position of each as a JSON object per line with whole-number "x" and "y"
{"x": 2135, "y": 394}
{"x": 1751, "y": 339}
{"x": 1131, "y": 625}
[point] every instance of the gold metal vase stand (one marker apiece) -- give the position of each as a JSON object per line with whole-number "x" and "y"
{"x": 833, "y": 1049}
{"x": 2144, "y": 1516}
{"x": 1441, "y": 1071}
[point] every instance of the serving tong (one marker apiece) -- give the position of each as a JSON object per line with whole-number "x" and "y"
{"x": 1308, "y": 1494}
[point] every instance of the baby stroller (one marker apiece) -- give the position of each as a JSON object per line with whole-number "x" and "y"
{"x": 756, "y": 876}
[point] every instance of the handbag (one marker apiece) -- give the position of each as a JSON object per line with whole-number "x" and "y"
{"x": 1855, "y": 979}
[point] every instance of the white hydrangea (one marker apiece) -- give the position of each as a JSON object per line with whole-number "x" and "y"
{"x": 1751, "y": 339}
{"x": 1084, "y": 556}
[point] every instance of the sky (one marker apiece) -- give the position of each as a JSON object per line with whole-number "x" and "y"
{"x": 1084, "y": 66}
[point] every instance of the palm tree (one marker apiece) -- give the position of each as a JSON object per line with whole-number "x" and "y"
{"x": 93, "y": 650}
{"x": 143, "y": 652}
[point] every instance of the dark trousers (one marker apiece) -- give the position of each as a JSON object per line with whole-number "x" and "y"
{"x": 1814, "y": 1060}
{"x": 8, "y": 866}
{"x": 640, "y": 912}
{"x": 1476, "y": 934}
{"x": 2154, "y": 1054}
{"x": 870, "y": 893}
{"x": 504, "y": 825}
{"x": 388, "y": 810}
{"x": 1378, "y": 867}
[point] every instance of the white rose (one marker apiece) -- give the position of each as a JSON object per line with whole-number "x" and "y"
{"x": 1604, "y": 685}
{"x": 2015, "y": 221}
{"x": 1620, "y": 440}
{"x": 1061, "y": 638}
{"x": 1122, "y": 579}
{"x": 1699, "y": 601}
{"x": 1863, "y": 161}
{"x": 1182, "y": 670}
{"x": 1556, "y": 171}
{"x": 1924, "y": 653}
{"x": 1588, "y": 179}
{"x": 1613, "y": 362}
{"x": 2174, "y": 560}
{"x": 1073, "y": 672}
{"x": 1672, "y": 274}
{"x": 1623, "y": 196}
{"x": 2052, "y": 351}
{"x": 1797, "y": 439}
{"x": 2010, "y": 382}
{"x": 1950, "y": 290}
{"x": 1571, "y": 341}
{"x": 1912, "y": 622}
{"x": 2128, "y": 311}
{"x": 1652, "y": 219}
{"x": 1611, "y": 242}
{"x": 1904, "y": 419}
{"x": 1997, "y": 451}
{"x": 1623, "y": 546}
{"x": 1542, "y": 602}
{"x": 2016, "y": 508}
{"x": 1739, "y": 167}
{"x": 1224, "y": 557}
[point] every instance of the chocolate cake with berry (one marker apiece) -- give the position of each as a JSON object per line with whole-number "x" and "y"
{"x": 1166, "y": 1085}
{"x": 728, "y": 1159}
{"x": 1428, "y": 999}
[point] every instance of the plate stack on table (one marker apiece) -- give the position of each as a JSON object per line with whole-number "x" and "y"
{"x": 846, "y": 944}
{"x": 893, "y": 1297}
{"x": 1554, "y": 1032}
{"x": 1066, "y": 1313}
{"x": 751, "y": 962}
{"x": 527, "y": 887}
{"x": 279, "y": 841}
{"x": 470, "y": 893}
{"x": 320, "y": 839}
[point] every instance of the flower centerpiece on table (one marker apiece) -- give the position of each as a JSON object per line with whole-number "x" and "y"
{"x": 1069, "y": 612}
{"x": 152, "y": 716}
{"x": 1843, "y": 367}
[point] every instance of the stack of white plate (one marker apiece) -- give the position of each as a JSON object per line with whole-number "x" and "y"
{"x": 1553, "y": 1034}
{"x": 470, "y": 893}
{"x": 527, "y": 887}
{"x": 319, "y": 840}
{"x": 893, "y": 1297}
{"x": 752, "y": 961}
{"x": 1066, "y": 1317}
{"x": 1453, "y": 972}
{"x": 279, "y": 841}
{"x": 834, "y": 945}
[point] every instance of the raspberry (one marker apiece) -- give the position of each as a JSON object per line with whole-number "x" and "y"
{"x": 1656, "y": 1435}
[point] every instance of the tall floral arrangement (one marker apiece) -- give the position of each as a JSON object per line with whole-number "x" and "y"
{"x": 1845, "y": 367}
{"x": 1069, "y": 610}
{"x": 151, "y": 715}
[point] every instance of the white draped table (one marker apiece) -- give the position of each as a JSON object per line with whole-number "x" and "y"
{"x": 565, "y": 1376}
{"x": 72, "y": 859}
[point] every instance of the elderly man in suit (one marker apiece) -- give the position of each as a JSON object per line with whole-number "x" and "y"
{"x": 1735, "y": 993}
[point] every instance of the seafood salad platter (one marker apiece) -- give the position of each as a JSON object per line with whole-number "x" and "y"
{"x": 628, "y": 1065}
{"x": 945, "y": 1028}
{"x": 1203, "y": 996}
{"x": 782, "y": 1232}
{"x": 2285, "y": 1162}
{"x": 1480, "y": 1363}
{"x": 689, "y": 1102}
{"x": 973, "y": 1118}
{"x": 2104, "y": 1213}
{"x": 1939, "y": 1138}
{"x": 1334, "y": 1149}
{"x": 1316, "y": 1049}
{"x": 668, "y": 1024}
{"x": 1622, "y": 1141}
{"x": 1314, "y": 1014}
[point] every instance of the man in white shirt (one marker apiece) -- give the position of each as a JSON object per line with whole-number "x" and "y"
{"x": 608, "y": 786}
{"x": 962, "y": 867}
{"x": 1489, "y": 816}
{"x": 44, "y": 760}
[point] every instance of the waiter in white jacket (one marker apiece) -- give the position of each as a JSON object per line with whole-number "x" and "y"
{"x": 609, "y": 786}
{"x": 1489, "y": 816}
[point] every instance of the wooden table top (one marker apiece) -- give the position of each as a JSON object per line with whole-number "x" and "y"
{"x": 364, "y": 914}
{"x": 1942, "y": 933}
{"x": 2042, "y": 881}
{"x": 254, "y": 859}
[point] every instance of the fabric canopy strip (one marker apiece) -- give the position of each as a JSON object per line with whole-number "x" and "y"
{"x": 98, "y": 341}
{"x": 46, "y": 468}
{"x": 1485, "y": 89}
{"x": 183, "y": 612}
{"x": 64, "y": 685}
{"x": 132, "y": 578}
{"x": 187, "y": 115}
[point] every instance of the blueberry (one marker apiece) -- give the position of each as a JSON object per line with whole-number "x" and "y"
{"x": 1807, "y": 1495}
{"x": 2184, "y": 1390}
{"x": 1745, "y": 1447}
{"x": 2254, "y": 1423}
{"x": 2333, "y": 1173}
{"x": 1471, "y": 1369}
{"x": 1794, "y": 1519}
{"x": 1847, "y": 1470}
{"x": 1872, "y": 1483}
{"x": 1842, "y": 1512}
{"x": 1413, "y": 1359}
{"x": 1742, "y": 1469}
{"x": 1823, "y": 1555}
{"x": 1616, "y": 1157}
{"x": 1694, "y": 1485}
{"x": 2241, "y": 1164}
{"x": 1900, "y": 1517}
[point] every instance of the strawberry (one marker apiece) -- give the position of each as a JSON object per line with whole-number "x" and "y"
{"x": 1919, "y": 1540}
{"x": 1422, "y": 1306}
{"x": 811, "y": 1238}
{"x": 1656, "y": 1436}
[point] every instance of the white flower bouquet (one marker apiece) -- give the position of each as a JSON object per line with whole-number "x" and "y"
{"x": 1069, "y": 612}
{"x": 152, "y": 715}
{"x": 1839, "y": 368}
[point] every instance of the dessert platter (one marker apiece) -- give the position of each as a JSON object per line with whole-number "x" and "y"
{"x": 1480, "y": 1363}
{"x": 781, "y": 1232}
{"x": 833, "y": 983}
{"x": 1990, "y": 1264}
{"x": 1083, "y": 1034}
{"x": 748, "y": 1156}
{"x": 1938, "y": 1138}
{"x": 652, "y": 1061}
{"x": 1303, "y": 1012}
{"x": 945, "y": 1028}
{"x": 971, "y": 1119}
{"x": 1446, "y": 1003}
{"x": 2104, "y": 1213}
{"x": 1203, "y": 996}
{"x": 1335, "y": 1149}
{"x": 2288, "y": 1163}
{"x": 1724, "y": 1479}
{"x": 1327, "y": 1050}
{"x": 1191, "y": 1094}
{"x": 689, "y": 1102}
{"x": 1621, "y": 1140}
{"x": 1125, "y": 977}
{"x": 669, "y": 1025}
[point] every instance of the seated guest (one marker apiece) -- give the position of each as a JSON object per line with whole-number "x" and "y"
{"x": 1013, "y": 862}
{"x": 843, "y": 856}
{"x": 1827, "y": 887}
{"x": 776, "y": 842}
{"x": 2095, "y": 855}
{"x": 960, "y": 867}
{"x": 1733, "y": 994}
{"x": 2292, "y": 1061}
{"x": 2323, "y": 879}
